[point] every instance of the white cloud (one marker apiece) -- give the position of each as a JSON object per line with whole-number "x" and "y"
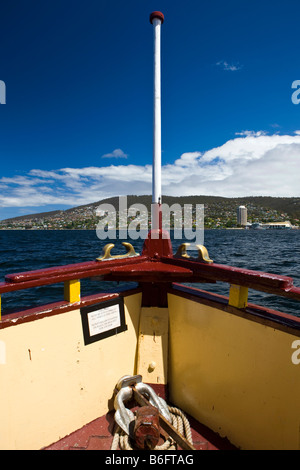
{"x": 117, "y": 153}
{"x": 226, "y": 66}
{"x": 251, "y": 133}
{"x": 250, "y": 164}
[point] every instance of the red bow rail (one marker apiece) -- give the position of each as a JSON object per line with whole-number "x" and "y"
{"x": 156, "y": 266}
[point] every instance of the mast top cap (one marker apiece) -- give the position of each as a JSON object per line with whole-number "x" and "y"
{"x": 157, "y": 14}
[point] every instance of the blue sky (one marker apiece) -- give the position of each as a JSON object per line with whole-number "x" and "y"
{"x": 77, "y": 123}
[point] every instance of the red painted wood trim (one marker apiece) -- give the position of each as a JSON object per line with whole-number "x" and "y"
{"x": 157, "y": 244}
{"x": 221, "y": 272}
{"x": 258, "y": 280}
{"x": 156, "y": 271}
{"x": 134, "y": 269}
{"x": 155, "y": 265}
{"x": 57, "y": 308}
{"x": 56, "y": 271}
{"x": 59, "y": 275}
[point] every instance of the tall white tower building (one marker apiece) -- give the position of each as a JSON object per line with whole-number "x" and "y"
{"x": 242, "y": 216}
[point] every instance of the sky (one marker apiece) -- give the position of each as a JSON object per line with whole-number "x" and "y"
{"x": 76, "y": 94}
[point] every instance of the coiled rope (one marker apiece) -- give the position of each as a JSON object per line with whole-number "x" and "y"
{"x": 180, "y": 422}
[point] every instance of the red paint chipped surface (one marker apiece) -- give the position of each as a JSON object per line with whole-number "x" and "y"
{"x": 98, "y": 435}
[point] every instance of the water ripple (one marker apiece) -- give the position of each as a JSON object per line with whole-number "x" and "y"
{"x": 261, "y": 250}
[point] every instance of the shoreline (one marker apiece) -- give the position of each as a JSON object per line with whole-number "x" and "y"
{"x": 117, "y": 229}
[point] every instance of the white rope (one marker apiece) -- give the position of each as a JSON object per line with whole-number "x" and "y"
{"x": 180, "y": 422}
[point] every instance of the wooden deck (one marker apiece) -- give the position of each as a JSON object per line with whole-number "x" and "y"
{"x": 98, "y": 435}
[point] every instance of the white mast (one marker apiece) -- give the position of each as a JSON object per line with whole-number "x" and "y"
{"x": 157, "y": 19}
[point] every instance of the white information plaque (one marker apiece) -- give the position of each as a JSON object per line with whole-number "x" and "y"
{"x": 104, "y": 319}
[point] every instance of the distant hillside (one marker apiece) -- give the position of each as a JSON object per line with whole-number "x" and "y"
{"x": 39, "y": 215}
{"x": 219, "y": 211}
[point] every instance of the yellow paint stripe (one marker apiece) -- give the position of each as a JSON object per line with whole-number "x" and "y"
{"x": 238, "y": 296}
{"x": 72, "y": 291}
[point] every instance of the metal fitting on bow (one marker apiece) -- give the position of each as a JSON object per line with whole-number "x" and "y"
{"x": 125, "y": 417}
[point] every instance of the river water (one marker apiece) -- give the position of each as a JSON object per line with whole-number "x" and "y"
{"x": 274, "y": 251}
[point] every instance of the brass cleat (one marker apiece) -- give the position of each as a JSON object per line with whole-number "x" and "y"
{"x": 202, "y": 253}
{"x": 107, "y": 249}
{"x": 181, "y": 251}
